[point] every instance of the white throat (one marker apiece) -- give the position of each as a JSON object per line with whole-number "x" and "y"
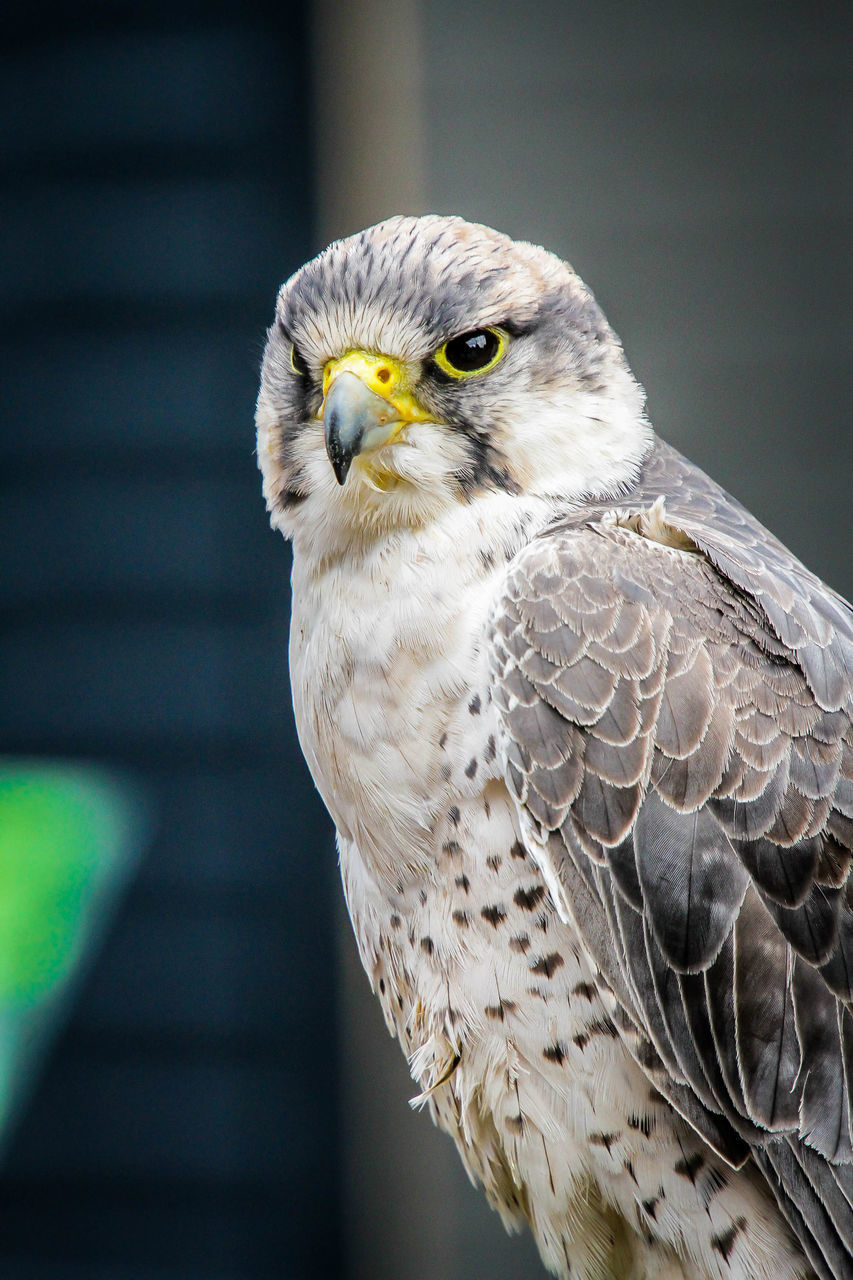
{"x": 383, "y": 647}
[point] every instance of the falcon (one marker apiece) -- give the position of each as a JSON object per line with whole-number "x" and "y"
{"x": 584, "y": 729}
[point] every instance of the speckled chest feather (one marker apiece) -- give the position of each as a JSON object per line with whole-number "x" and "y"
{"x": 508, "y": 1027}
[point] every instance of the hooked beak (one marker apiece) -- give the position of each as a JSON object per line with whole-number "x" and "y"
{"x": 355, "y": 419}
{"x": 366, "y": 405}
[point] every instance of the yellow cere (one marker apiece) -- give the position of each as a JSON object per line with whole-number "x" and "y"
{"x": 384, "y": 376}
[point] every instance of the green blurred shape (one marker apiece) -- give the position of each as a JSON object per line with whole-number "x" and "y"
{"x": 68, "y": 839}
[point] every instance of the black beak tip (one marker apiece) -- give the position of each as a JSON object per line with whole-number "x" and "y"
{"x": 341, "y": 466}
{"x": 339, "y": 455}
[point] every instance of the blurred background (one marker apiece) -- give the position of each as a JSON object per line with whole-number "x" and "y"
{"x": 217, "y": 1097}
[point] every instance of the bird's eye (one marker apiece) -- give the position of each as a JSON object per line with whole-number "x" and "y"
{"x": 297, "y": 362}
{"x": 472, "y": 352}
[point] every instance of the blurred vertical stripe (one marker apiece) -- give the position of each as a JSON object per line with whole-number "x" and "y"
{"x": 370, "y": 99}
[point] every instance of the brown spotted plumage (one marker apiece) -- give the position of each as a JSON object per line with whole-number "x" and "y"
{"x": 584, "y": 727}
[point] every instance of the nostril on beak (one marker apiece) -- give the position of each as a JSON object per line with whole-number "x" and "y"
{"x": 383, "y": 374}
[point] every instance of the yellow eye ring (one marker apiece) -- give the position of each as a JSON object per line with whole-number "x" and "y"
{"x": 297, "y": 363}
{"x": 472, "y": 353}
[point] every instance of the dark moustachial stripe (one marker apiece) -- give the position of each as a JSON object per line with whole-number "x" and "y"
{"x": 487, "y": 468}
{"x": 291, "y": 498}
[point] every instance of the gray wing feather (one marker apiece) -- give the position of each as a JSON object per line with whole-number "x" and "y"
{"x": 768, "y": 1051}
{"x": 691, "y": 881}
{"x": 718, "y": 1007}
{"x": 804, "y": 1209}
{"x": 675, "y": 694}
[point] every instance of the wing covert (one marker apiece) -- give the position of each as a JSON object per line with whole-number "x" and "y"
{"x": 675, "y": 722}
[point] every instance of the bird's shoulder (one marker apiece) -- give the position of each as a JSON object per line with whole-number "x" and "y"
{"x": 674, "y": 504}
{"x": 674, "y": 695}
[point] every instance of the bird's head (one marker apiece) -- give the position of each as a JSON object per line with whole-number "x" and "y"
{"x": 427, "y": 361}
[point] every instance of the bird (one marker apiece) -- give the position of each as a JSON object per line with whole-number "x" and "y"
{"x": 583, "y": 726}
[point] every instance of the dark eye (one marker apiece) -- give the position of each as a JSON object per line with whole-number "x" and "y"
{"x": 297, "y": 362}
{"x": 472, "y": 352}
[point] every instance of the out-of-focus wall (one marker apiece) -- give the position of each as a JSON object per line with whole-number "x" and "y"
{"x": 693, "y": 163}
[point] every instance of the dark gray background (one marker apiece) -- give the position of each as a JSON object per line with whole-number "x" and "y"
{"x": 157, "y": 166}
{"x": 209, "y": 1113}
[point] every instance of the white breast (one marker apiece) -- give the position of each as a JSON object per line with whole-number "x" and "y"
{"x": 385, "y": 651}
{"x": 487, "y": 989}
